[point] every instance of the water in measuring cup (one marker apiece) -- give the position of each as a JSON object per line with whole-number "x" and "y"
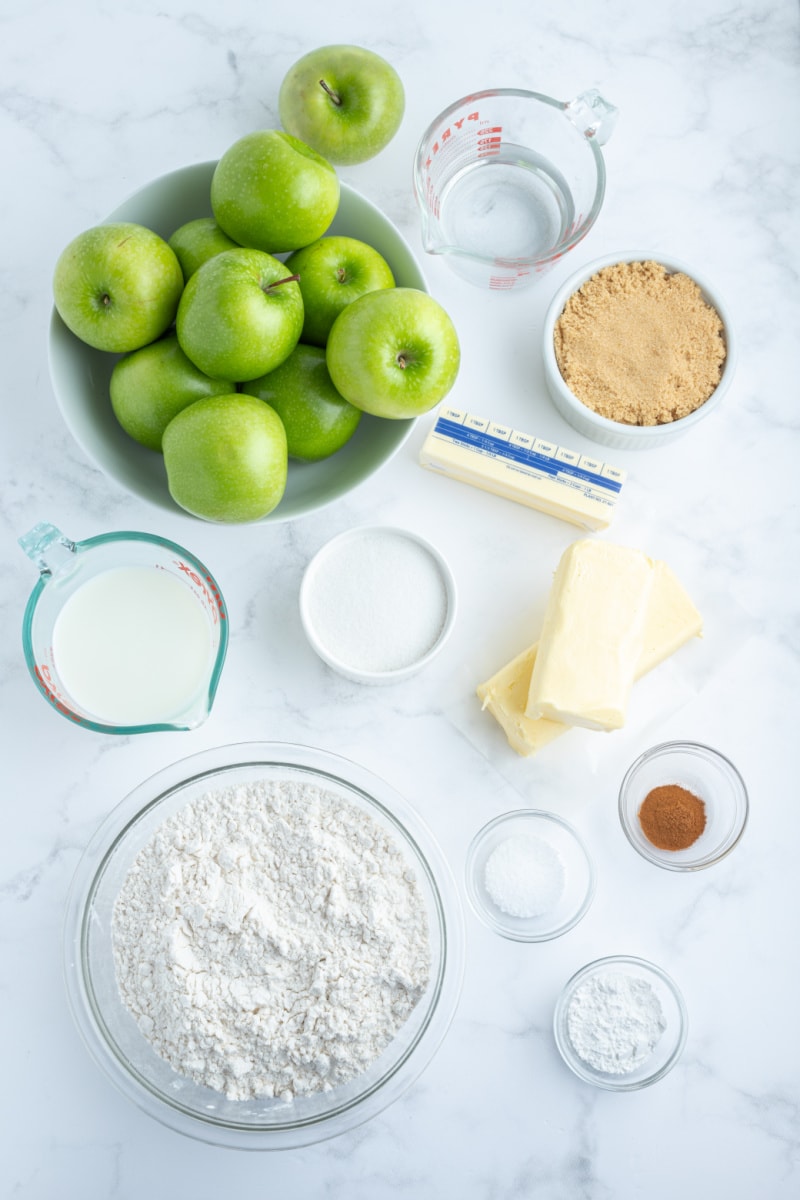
{"x": 133, "y": 646}
{"x": 514, "y": 204}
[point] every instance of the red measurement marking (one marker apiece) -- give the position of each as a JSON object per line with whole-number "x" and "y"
{"x": 212, "y": 597}
{"x": 53, "y": 695}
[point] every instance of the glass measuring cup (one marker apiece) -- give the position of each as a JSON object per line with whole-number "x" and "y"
{"x": 183, "y": 685}
{"x": 507, "y": 181}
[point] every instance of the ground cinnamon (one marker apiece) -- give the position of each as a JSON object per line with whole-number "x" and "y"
{"x": 672, "y": 817}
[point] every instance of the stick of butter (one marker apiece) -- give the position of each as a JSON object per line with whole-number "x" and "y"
{"x": 575, "y": 487}
{"x": 672, "y": 620}
{"x": 592, "y": 635}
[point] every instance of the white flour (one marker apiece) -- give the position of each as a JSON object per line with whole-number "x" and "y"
{"x": 614, "y": 1022}
{"x": 270, "y": 940}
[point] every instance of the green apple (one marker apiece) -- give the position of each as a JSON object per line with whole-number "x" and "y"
{"x": 197, "y": 241}
{"x": 240, "y": 315}
{"x": 117, "y": 286}
{"x": 272, "y": 192}
{"x": 318, "y": 421}
{"x": 153, "y": 384}
{"x": 226, "y": 458}
{"x": 393, "y": 353}
{"x": 333, "y": 272}
{"x": 345, "y": 101}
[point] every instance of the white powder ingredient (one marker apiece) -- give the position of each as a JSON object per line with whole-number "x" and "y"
{"x": 378, "y": 601}
{"x": 270, "y": 940}
{"x": 614, "y": 1022}
{"x": 524, "y": 876}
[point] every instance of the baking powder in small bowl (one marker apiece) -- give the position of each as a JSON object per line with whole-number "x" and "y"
{"x": 377, "y": 603}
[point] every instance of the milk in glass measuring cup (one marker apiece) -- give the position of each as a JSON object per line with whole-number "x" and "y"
{"x": 125, "y": 632}
{"x": 507, "y": 181}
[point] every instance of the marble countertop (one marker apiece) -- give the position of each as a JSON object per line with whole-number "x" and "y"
{"x": 97, "y": 99}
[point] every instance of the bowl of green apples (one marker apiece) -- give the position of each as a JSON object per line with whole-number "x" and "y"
{"x": 191, "y": 344}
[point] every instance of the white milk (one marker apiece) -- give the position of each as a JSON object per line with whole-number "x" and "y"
{"x": 133, "y": 646}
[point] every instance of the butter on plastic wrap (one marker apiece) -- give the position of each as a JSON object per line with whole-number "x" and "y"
{"x": 672, "y": 620}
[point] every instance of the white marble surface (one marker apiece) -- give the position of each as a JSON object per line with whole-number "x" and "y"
{"x": 98, "y": 98}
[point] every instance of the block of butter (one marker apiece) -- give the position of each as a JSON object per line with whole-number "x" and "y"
{"x": 672, "y": 620}
{"x": 592, "y": 635}
{"x": 575, "y": 487}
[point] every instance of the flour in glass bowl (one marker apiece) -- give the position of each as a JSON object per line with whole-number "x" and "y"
{"x": 270, "y": 940}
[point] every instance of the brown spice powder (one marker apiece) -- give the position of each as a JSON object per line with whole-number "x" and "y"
{"x": 672, "y": 817}
{"x": 640, "y": 345}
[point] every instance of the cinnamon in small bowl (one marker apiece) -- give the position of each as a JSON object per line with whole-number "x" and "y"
{"x": 683, "y": 806}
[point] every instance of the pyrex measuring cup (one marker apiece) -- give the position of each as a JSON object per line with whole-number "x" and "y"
{"x": 507, "y": 181}
{"x": 124, "y": 632}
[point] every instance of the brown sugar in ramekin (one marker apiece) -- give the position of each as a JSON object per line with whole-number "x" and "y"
{"x": 638, "y": 344}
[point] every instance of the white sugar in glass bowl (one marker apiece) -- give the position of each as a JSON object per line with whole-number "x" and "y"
{"x": 80, "y": 375}
{"x": 616, "y": 434}
{"x": 109, "y": 1030}
{"x": 377, "y": 603}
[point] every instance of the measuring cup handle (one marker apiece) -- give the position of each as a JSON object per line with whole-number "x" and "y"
{"x": 592, "y": 115}
{"x": 47, "y": 546}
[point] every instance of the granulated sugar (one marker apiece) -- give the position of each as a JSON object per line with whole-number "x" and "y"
{"x": 270, "y": 940}
{"x": 378, "y": 601}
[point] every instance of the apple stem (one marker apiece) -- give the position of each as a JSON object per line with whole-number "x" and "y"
{"x": 105, "y": 299}
{"x": 277, "y": 282}
{"x": 402, "y": 361}
{"x": 335, "y": 97}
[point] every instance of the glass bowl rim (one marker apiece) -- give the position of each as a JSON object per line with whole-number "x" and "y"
{"x": 447, "y": 974}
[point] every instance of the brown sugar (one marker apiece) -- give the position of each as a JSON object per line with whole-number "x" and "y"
{"x": 672, "y": 817}
{"x": 639, "y": 344}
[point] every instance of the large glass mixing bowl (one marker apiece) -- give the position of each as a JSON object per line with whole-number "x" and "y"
{"x": 110, "y": 1031}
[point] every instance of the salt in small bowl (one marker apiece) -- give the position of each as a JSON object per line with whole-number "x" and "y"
{"x": 579, "y": 875}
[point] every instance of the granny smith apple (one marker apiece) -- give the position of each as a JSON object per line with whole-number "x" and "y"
{"x": 318, "y": 421}
{"x": 240, "y": 315}
{"x": 333, "y": 272}
{"x": 345, "y": 101}
{"x": 117, "y": 286}
{"x": 151, "y": 385}
{"x": 197, "y": 241}
{"x": 272, "y": 192}
{"x": 226, "y": 458}
{"x": 393, "y": 353}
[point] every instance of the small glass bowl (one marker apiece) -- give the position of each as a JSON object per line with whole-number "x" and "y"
{"x": 706, "y": 773}
{"x": 579, "y": 876}
{"x": 667, "y": 1050}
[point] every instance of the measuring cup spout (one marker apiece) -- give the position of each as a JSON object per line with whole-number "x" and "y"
{"x": 48, "y": 547}
{"x": 592, "y": 115}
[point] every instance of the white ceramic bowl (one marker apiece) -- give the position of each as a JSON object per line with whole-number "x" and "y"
{"x": 80, "y": 375}
{"x": 615, "y": 434}
{"x": 110, "y": 1032}
{"x": 318, "y": 595}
